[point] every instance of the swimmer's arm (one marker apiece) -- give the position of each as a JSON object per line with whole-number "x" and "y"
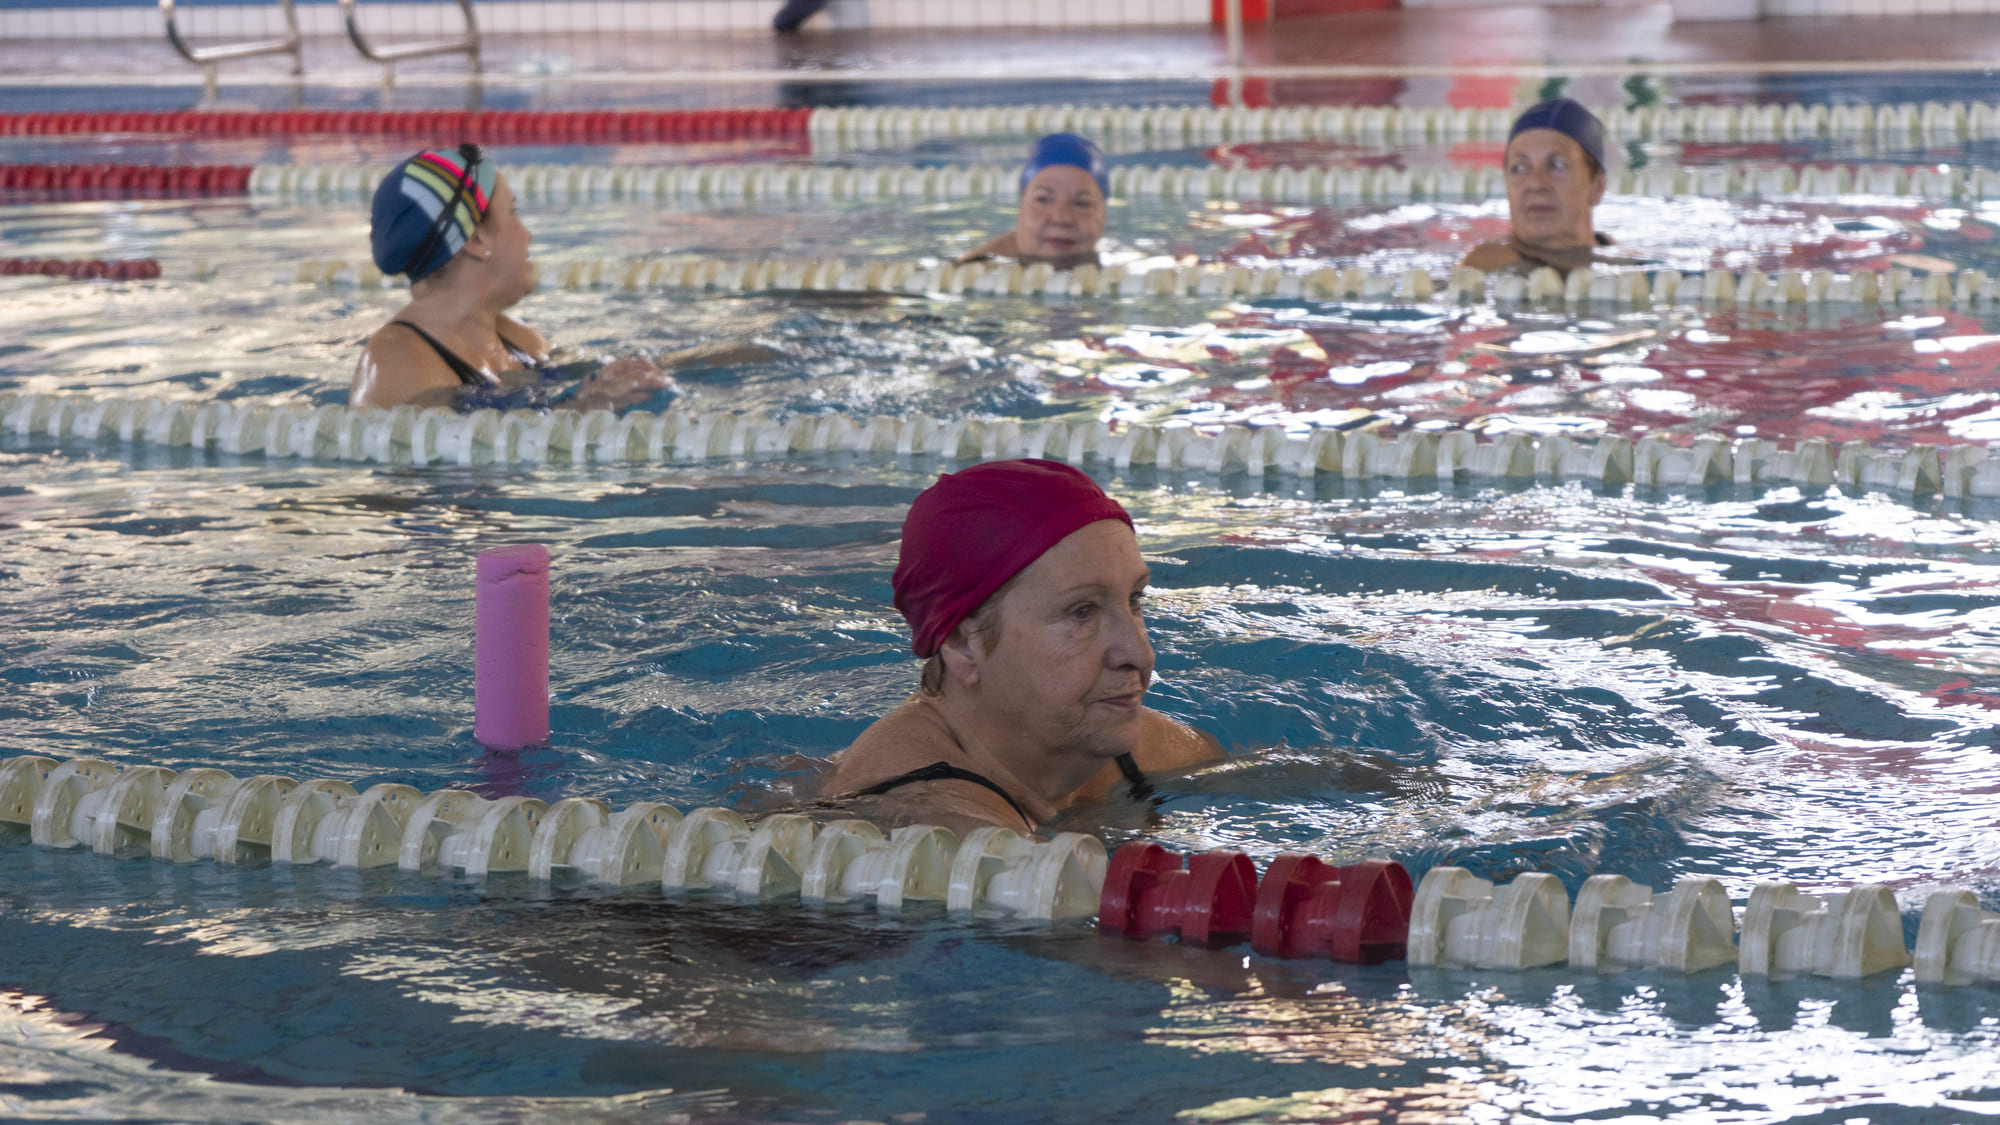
{"x": 1001, "y": 247}
{"x": 398, "y": 368}
{"x": 719, "y": 353}
{"x": 524, "y": 338}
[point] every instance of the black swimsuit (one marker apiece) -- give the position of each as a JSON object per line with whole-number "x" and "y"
{"x": 945, "y": 771}
{"x": 467, "y": 374}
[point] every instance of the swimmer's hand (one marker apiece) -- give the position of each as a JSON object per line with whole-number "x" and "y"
{"x": 1001, "y": 247}
{"x": 1006, "y": 247}
{"x": 620, "y": 383}
{"x": 720, "y": 353}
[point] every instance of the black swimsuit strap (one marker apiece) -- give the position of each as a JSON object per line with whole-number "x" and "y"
{"x": 1141, "y": 788}
{"x": 945, "y": 771}
{"x": 467, "y": 374}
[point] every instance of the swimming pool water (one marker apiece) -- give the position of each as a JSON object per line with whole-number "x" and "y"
{"x": 1748, "y": 683}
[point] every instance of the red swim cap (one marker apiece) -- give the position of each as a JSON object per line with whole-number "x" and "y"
{"x": 970, "y": 532}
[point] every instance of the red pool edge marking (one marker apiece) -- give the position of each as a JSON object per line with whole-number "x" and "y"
{"x": 431, "y": 126}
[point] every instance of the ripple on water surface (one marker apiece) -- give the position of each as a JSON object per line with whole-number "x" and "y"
{"x": 1788, "y": 685}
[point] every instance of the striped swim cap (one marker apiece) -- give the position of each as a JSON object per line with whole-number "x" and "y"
{"x": 412, "y": 231}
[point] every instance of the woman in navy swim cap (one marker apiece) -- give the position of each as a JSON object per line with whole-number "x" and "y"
{"x": 1063, "y": 192}
{"x": 1555, "y": 179}
{"x": 447, "y": 220}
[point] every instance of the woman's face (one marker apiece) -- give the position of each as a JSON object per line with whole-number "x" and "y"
{"x": 1062, "y": 214}
{"x": 1551, "y": 189}
{"x": 503, "y": 240}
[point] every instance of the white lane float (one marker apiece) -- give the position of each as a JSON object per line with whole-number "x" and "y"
{"x": 1617, "y": 924}
{"x": 622, "y": 849}
{"x": 1848, "y": 934}
{"x": 1461, "y": 921}
{"x": 852, "y": 861}
{"x": 1957, "y": 943}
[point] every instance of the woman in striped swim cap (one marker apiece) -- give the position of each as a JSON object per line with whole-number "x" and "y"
{"x": 446, "y": 219}
{"x": 1064, "y": 188}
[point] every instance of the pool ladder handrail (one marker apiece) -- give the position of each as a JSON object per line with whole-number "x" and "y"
{"x": 209, "y": 58}
{"x": 389, "y": 56}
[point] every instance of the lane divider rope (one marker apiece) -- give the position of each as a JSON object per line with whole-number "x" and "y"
{"x": 1301, "y": 907}
{"x": 736, "y": 183}
{"x": 437, "y": 436}
{"x": 210, "y": 814}
{"x": 1365, "y": 912}
{"x": 1886, "y": 290}
{"x": 1890, "y": 124}
{"x": 125, "y": 181}
{"x": 439, "y": 126}
{"x": 79, "y": 269}
{"x": 1891, "y": 292}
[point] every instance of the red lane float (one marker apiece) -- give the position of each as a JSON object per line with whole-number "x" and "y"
{"x": 1147, "y": 893}
{"x": 133, "y": 269}
{"x": 125, "y": 181}
{"x": 1307, "y": 907}
{"x": 442, "y": 126}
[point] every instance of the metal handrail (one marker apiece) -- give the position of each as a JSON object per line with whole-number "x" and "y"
{"x": 1232, "y": 30}
{"x": 350, "y": 11}
{"x": 208, "y": 58}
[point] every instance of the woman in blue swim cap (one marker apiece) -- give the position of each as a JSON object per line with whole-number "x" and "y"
{"x": 447, "y": 220}
{"x": 1555, "y": 179}
{"x": 1061, "y": 218}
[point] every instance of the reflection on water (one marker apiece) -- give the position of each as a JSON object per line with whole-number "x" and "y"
{"x": 1926, "y": 376}
{"x": 1792, "y": 685}
{"x": 1786, "y": 684}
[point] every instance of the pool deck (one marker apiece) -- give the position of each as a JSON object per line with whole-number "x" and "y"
{"x": 1437, "y": 42}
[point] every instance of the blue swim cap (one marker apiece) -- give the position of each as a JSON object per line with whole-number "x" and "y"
{"x": 1067, "y": 148}
{"x": 410, "y": 231}
{"x": 1568, "y": 117}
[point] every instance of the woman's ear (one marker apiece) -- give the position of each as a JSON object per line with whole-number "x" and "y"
{"x": 478, "y": 246}
{"x": 961, "y": 657}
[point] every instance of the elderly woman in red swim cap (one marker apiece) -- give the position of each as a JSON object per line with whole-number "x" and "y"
{"x": 1024, "y": 587}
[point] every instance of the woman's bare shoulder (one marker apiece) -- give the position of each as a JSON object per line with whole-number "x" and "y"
{"x": 397, "y": 368}
{"x": 1491, "y": 256}
{"x": 1168, "y": 744}
{"x": 907, "y": 738}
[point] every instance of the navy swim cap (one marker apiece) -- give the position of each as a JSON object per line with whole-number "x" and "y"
{"x": 1568, "y": 117}
{"x": 411, "y": 230}
{"x": 1067, "y": 148}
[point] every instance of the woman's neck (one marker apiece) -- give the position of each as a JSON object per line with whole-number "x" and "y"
{"x": 458, "y": 311}
{"x": 996, "y": 747}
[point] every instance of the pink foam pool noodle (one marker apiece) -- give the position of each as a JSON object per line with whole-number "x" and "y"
{"x": 511, "y": 648}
